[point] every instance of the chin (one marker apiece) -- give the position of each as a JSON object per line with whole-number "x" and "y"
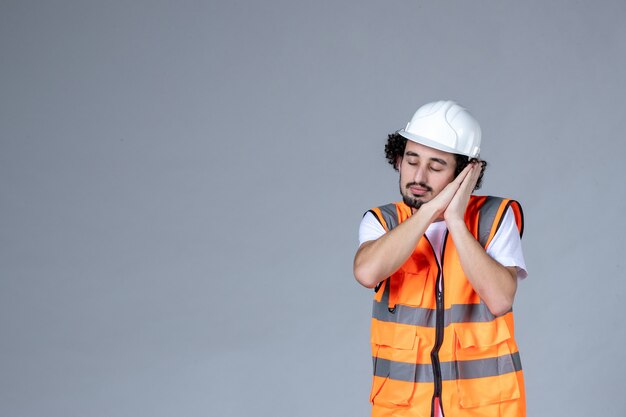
{"x": 412, "y": 202}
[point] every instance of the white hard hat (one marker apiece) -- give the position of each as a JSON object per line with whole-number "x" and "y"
{"x": 446, "y": 126}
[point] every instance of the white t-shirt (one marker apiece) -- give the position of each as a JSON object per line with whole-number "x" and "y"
{"x": 505, "y": 247}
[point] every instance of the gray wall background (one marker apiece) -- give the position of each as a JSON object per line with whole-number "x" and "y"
{"x": 181, "y": 185}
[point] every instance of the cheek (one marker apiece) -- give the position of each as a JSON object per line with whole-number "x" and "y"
{"x": 405, "y": 171}
{"x": 403, "y": 179}
{"x": 447, "y": 175}
{"x": 444, "y": 179}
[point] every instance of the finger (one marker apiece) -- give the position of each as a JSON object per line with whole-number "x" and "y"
{"x": 469, "y": 182}
{"x": 473, "y": 176}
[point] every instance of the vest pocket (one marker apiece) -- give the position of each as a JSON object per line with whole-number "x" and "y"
{"x": 485, "y": 364}
{"x": 395, "y": 372}
{"x": 408, "y": 288}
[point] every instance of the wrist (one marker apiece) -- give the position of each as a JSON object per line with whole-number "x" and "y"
{"x": 428, "y": 213}
{"x": 455, "y": 223}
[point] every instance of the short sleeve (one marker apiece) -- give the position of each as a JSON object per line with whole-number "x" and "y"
{"x": 370, "y": 228}
{"x": 506, "y": 245}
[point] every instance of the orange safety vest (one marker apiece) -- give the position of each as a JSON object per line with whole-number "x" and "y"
{"x": 428, "y": 343}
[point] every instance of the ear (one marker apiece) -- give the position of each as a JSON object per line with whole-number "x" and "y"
{"x": 398, "y": 163}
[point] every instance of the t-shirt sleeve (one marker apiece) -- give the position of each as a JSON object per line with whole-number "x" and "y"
{"x": 506, "y": 245}
{"x": 370, "y": 228}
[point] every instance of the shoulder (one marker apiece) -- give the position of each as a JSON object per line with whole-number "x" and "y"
{"x": 390, "y": 215}
{"x": 489, "y": 201}
{"x": 493, "y": 206}
{"x": 487, "y": 213}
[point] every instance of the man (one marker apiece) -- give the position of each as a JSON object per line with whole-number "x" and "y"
{"x": 445, "y": 266}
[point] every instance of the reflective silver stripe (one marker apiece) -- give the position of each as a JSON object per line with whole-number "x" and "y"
{"x": 464, "y": 313}
{"x": 403, "y": 371}
{"x": 425, "y": 317}
{"x": 479, "y": 368}
{"x": 487, "y": 216}
{"x": 390, "y": 215}
{"x": 417, "y": 316}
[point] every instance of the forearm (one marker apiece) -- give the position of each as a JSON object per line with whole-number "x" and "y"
{"x": 378, "y": 259}
{"x": 495, "y": 284}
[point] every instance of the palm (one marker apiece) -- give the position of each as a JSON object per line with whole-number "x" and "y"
{"x": 458, "y": 203}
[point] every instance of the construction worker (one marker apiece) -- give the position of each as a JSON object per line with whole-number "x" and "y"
{"x": 444, "y": 265}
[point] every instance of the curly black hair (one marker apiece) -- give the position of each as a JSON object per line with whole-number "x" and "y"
{"x": 395, "y": 147}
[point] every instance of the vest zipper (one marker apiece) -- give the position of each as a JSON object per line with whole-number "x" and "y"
{"x": 439, "y": 325}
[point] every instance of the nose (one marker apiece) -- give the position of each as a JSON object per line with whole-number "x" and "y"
{"x": 421, "y": 174}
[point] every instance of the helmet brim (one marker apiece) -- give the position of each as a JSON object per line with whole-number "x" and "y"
{"x": 432, "y": 144}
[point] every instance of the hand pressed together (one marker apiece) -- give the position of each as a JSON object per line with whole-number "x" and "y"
{"x": 457, "y": 206}
{"x": 451, "y": 203}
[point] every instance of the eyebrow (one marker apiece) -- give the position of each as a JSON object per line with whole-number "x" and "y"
{"x": 439, "y": 160}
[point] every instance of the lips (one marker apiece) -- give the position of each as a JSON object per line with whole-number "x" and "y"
{"x": 415, "y": 189}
